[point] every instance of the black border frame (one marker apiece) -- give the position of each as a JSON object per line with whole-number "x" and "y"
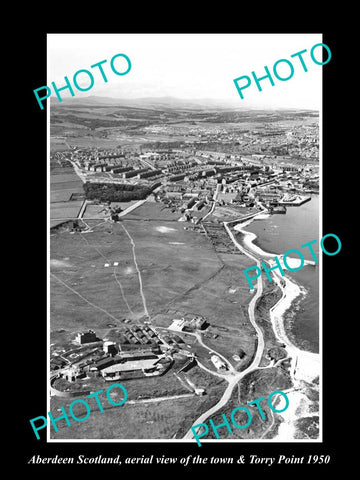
{"x": 33, "y": 303}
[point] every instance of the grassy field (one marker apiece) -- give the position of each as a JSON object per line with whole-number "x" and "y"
{"x": 97, "y": 211}
{"x": 94, "y": 282}
{"x": 175, "y": 265}
{"x": 142, "y": 420}
{"x": 63, "y": 184}
{"x": 63, "y": 195}
{"x": 257, "y": 384}
{"x": 154, "y": 211}
{"x": 65, "y": 209}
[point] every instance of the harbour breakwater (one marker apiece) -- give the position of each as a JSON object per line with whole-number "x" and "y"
{"x": 294, "y": 200}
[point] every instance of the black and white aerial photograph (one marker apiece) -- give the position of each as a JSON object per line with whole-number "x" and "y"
{"x": 165, "y": 186}
{"x": 184, "y": 306}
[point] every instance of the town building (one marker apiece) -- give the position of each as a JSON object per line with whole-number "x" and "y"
{"x": 136, "y": 365}
{"x": 86, "y": 337}
{"x": 182, "y": 325}
{"x": 133, "y": 173}
{"x": 177, "y": 324}
{"x": 110, "y": 348}
{"x": 218, "y": 363}
{"x": 73, "y": 373}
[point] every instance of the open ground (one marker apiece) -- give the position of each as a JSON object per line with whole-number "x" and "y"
{"x": 97, "y": 281}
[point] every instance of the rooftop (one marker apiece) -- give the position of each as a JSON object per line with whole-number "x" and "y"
{"x": 131, "y": 365}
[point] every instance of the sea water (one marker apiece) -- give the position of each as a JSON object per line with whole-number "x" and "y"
{"x": 278, "y": 233}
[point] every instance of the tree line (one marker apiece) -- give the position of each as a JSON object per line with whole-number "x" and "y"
{"x": 115, "y": 192}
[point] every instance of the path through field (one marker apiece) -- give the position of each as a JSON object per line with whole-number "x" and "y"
{"x": 114, "y": 271}
{"x": 138, "y": 271}
{"x": 83, "y": 298}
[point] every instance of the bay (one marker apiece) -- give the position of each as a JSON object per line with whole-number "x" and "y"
{"x": 279, "y": 233}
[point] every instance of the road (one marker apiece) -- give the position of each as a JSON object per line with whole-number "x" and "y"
{"x": 234, "y": 377}
{"x": 214, "y": 201}
{"x": 200, "y": 340}
{"x": 132, "y": 207}
{"x": 258, "y": 293}
{"x": 82, "y": 209}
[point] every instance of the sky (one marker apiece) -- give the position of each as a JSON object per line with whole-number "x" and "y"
{"x": 191, "y": 66}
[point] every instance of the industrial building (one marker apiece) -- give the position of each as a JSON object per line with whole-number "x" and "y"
{"x": 136, "y": 365}
{"x": 182, "y": 325}
{"x": 218, "y": 363}
{"x": 86, "y": 337}
{"x": 110, "y": 348}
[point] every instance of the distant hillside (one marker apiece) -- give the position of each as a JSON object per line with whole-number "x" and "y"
{"x": 161, "y": 103}
{"x": 146, "y": 102}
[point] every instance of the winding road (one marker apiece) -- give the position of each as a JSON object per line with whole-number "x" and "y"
{"x": 233, "y": 377}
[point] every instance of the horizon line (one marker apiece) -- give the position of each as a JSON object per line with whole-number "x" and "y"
{"x": 226, "y": 102}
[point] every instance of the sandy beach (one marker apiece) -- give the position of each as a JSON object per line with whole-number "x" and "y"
{"x": 305, "y": 366}
{"x": 249, "y": 237}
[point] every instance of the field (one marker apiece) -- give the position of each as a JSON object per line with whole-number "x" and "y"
{"x": 154, "y": 211}
{"x": 177, "y": 267}
{"x": 94, "y": 212}
{"x": 149, "y": 267}
{"x": 255, "y": 385}
{"x": 141, "y": 419}
{"x": 95, "y": 283}
{"x": 64, "y": 183}
{"x": 65, "y": 210}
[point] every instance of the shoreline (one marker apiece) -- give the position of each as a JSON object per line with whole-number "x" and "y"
{"x": 305, "y": 365}
{"x": 251, "y": 242}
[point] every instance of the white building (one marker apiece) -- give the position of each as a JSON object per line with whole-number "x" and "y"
{"x": 218, "y": 363}
{"x": 177, "y": 324}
